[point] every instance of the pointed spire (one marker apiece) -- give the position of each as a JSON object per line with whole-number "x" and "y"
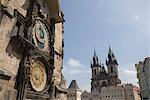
{"x": 95, "y": 53}
{"x": 110, "y": 49}
{"x": 95, "y": 58}
{"x": 106, "y": 62}
{"x": 100, "y": 64}
{"x": 91, "y": 64}
{"x": 111, "y": 57}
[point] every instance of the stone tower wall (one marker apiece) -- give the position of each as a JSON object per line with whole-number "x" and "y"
{"x": 58, "y": 52}
{"x": 8, "y": 63}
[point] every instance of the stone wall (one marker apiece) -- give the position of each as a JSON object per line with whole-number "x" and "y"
{"x": 9, "y": 64}
{"x": 58, "y": 52}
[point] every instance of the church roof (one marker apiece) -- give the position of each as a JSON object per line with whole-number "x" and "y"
{"x": 73, "y": 85}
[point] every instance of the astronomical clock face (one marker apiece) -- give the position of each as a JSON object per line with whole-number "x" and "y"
{"x": 38, "y": 75}
{"x": 40, "y": 35}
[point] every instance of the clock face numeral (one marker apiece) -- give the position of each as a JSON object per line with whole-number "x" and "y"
{"x": 38, "y": 76}
{"x": 40, "y": 35}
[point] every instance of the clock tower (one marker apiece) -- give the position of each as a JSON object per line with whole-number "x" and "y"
{"x": 31, "y": 51}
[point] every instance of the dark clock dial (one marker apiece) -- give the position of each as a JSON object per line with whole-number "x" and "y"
{"x": 40, "y": 35}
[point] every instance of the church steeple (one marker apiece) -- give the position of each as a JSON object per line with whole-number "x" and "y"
{"x": 95, "y": 67}
{"x": 95, "y": 59}
{"x": 110, "y": 49}
{"x": 112, "y": 66}
{"x": 111, "y": 58}
{"x": 95, "y": 53}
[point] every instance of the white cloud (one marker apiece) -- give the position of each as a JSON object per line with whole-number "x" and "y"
{"x": 73, "y": 66}
{"x": 73, "y": 69}
{"x": 74, "y": 63}
{"x": 86, "y": 87}
{"x": 128, "y": 74}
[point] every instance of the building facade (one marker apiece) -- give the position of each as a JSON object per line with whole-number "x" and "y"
{"x": 120, "y": 92}
{"x": 74, "y": 92}
{"x": 31, "y": 50}
{"x": 105, "y": 84}
{"x": 143, "y": 75}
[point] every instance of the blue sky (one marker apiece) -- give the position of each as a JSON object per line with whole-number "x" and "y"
{"x": 96, "y": 24}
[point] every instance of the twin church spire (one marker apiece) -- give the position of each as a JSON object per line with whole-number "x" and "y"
{"x": 111, "y": 59}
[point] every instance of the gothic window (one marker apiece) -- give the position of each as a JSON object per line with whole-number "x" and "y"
{"x": 94, "y": 71}
{"x": 111, "y": 69}
{"x": 104, "y": 84}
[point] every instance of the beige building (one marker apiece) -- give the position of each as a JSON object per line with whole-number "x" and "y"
{"x": 74, "y": 92}
{"x": 120, "y": 92}
{"x": 113, "y": 93}
{"x": 91, "y": 95}
{"x": 143, "y": 75}
{"x": 31, "y": 50}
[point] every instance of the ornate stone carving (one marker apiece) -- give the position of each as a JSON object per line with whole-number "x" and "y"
{"x": 38, "y": 75}
{"x": 5, "y": 2}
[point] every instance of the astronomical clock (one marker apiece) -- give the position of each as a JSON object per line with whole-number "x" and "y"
{"x": 40, "y": 35}
{"x": 32, "y": 41}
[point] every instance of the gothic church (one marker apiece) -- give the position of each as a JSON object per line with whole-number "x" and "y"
{"x": 102, "y": 77}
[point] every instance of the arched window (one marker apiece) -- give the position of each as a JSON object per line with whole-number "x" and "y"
{"x": 111, "y": 68}
{"x": 104, "y": 84}
{"x": 94, "y": 71}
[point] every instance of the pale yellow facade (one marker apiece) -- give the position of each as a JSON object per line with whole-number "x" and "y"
{"x": 74, "y": 92}
{"x": 113, "y": 93}
{"x": 120, "y": 92}
{"x": 58, "y": 52}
